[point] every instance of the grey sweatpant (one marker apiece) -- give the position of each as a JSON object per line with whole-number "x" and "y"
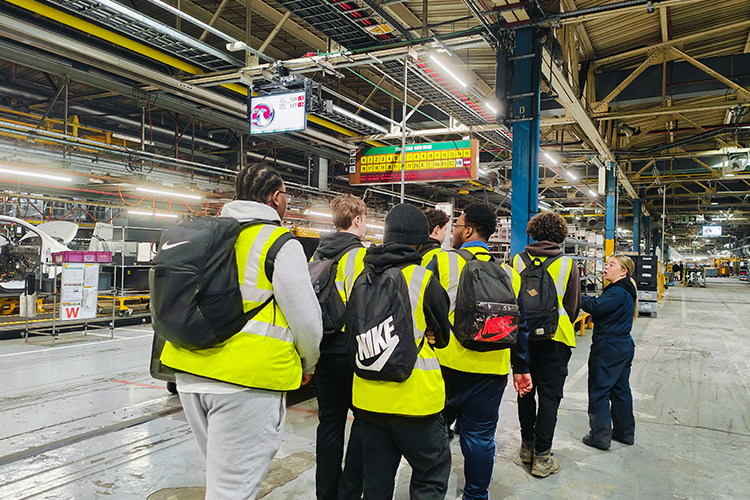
{"x": 238, "y": 434}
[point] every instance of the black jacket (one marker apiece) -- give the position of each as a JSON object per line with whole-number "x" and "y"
{"x": 613, "y": 310}
{"x": 431, "y": 244}
{"x": 331, "y": 246}
{"x": 335, "y": 243}
{"x": 436, "y": 302}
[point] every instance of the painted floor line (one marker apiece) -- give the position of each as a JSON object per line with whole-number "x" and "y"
{"x": 72, "y": 346}
{"x": 138, "y": 384}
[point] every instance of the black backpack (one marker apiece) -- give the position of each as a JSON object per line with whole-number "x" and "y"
{"x": 539, "y": 297}
{"x": 323, "y": 277}
{"x": 486, "y": 312}
{"x": 195, "y": 292}
{"x": 380, "y": 328}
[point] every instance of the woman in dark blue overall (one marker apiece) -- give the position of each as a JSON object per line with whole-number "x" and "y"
{"x": 611, "y": 357}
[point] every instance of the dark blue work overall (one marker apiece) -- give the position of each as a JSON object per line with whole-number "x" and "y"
{"x": 612, "y": 352}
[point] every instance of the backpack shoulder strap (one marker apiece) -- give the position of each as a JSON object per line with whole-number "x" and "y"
{"x": 467, "y": 255}
{"x": 549, "y": 260}
{"x": 526, "y": 258}
{"x": 273, "y": 251}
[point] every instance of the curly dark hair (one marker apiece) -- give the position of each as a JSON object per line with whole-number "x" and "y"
{"x": 547, "y": 226}
{"x": 257, "y": 183}
{"x": 436, "y": 218}
{"x": 482, "y": 218}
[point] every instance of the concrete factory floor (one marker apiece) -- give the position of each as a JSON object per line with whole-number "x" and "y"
{"x": 84, "y": 420}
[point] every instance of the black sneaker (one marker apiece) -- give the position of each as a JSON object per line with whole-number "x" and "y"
{"x": 629, "y": 442}
{"x": 589, "y": 441}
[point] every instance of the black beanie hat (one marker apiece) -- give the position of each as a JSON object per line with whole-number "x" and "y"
{"x": 406, "y": 224}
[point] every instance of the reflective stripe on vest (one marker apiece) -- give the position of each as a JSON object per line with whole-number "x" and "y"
{"x": 560, "y": 272}
{"x": 454, "y": 355}
{"x": 350, "y": 264}
{"x": 423, "y": 393}
{"x": 262, "y": 355}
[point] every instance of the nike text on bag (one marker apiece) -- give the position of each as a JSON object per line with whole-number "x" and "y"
{"x": 195, "y": 292}
{"x": 380, "y": 327}
{"x": 486, "y": 313}
{"x": 539, "y": 297}
{"x": 323, "y": 276}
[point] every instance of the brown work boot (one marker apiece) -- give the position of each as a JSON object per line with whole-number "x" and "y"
{"x": 544, "y": 464}
{"x": 527, "y": 451}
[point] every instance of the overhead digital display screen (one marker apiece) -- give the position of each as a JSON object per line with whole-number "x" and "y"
{"x": 711, "y": 231}
{"x": 274, "y": 113}
{"x": 436, "y": 161}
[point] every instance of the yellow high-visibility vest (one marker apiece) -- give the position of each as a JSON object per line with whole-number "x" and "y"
{"x": 423, "y": 393}
{"x": 560, "y": 272}
{"x": 262, "y": 355}
{"x": 350, "y": 264}
{"x": 454, "y": 355}
{"x": 427, "y": 258}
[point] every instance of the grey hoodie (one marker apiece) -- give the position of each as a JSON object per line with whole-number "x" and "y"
{"x": 293, "y": 292}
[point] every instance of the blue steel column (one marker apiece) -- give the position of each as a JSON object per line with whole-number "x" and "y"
{"x": 609, "y": 220}
{"x": 637, "y": 225}
{"x": 647, "y": 233}
{"x": 525, "y": 176}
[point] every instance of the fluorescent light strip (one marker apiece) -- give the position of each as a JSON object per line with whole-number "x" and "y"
{"x": 319, "y": 214}
{"x": 571, "y": 175}
{"x": 550, "y": 158}
{"x": 453, "y": 75}
{"x": 374, "y": 226}
{"x": 149, "y": 214}
{"x": 169, "y": 193}
{"x": 34, "y": 174}
{"x": 490, "y": 107}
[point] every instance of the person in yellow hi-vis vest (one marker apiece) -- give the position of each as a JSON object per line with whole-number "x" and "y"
{"x": 548, "y": 358}
{"x": 234, "y": 393}
{"x": 398, "y": 389}
{"x": 475, "y": 381}
{"x": 333, "y": 374}
{"x": 438, "y": 226}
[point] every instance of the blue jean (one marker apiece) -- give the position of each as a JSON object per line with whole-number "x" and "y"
{"x": 609, "y": 384}
{"x": 474, "y": 400}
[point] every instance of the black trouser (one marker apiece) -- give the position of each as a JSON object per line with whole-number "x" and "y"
{"x": 548, "y": 367}
{"x": 333, "y": 383}
{"x": 423, "y": 441}
{"x": 609, "y": 382}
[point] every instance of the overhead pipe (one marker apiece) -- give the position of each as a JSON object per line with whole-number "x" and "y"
{"x": 208, "y": 28}
{"x": 147, "y": 51}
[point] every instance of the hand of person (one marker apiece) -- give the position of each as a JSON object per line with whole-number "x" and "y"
{"x": 430, "y": 336}
{"x": 522, "y": 383}
{"x": 306, "y": 378}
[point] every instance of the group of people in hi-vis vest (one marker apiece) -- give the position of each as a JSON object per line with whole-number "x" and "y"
{"x": 233, "y": 394}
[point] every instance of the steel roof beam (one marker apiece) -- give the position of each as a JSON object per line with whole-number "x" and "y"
{"x": 567, "y": 97}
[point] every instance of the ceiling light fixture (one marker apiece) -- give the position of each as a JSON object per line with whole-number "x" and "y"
{"x": 490, "y": 107}
{"x": 374, "y": 226}
{"x": 169, "y": 193}
{"x": 592, "y": 193}
{"x": 319, "y": 214}
{"x": 149, "y": 214}
{"x": 37, "y": 175}
{"x": 550, "y": 158}
{"x": 452, "y": 74}
{"x": 571, "y": 175}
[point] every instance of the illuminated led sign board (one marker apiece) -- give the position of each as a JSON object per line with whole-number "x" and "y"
{"x": 430, "y": 162}
{"x": 274, "y": 113}
{"x": 711, "y": 231}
